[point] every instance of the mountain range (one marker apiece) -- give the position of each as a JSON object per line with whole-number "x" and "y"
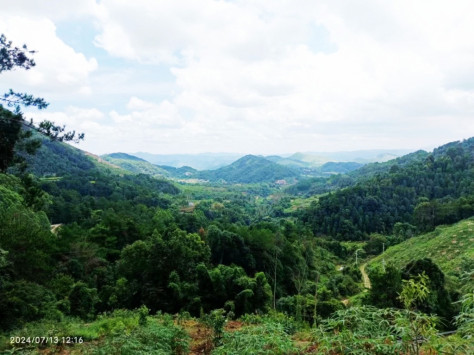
{"x": 247, "y": 169}
{"x": 56, "y": 159}
{"x": 212, "y": 161}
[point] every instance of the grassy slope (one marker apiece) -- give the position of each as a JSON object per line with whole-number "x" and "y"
{"x": 450, "y": 247}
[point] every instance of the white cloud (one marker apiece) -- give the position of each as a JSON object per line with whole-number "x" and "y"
{"x": 150, "y": 115}
{"x": 53, "y": 9}
{"x": 268, "y": 76}
{"x": 59, "y": 70}
{"x": 72, "y": 116}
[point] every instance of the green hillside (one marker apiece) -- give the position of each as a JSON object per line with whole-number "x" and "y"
{"x": 353, "y": 173}
{"x": 450, "y": 247}
{"x": 249, "y": 169}
{"x": 134, "y": 164}
{"x": 421, "y": 189}
{"x": 57, "y": 159}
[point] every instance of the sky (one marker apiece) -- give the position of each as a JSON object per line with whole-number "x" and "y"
{"x": 259, "y": 76}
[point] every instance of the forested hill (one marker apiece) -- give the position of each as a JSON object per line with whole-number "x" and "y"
{"x": 349, "y": 174}
{"x": 249, "y": 169}
{"x": 425, "y": 191}
{"x": 58, "y": 159}
{"x": 80, "y": 182}
{"x": 135, "y": 165}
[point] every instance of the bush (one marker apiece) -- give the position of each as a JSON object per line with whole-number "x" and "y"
{"x": 326, "y": 308}
{"x": 116, "y": 333}
{"x": 24, "y": 301}
{"x": 158, "y": 338}
{"x": 83, "y": 300}
{"x": 368, "y": 330}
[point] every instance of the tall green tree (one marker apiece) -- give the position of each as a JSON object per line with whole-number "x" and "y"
{"x": 13, "y": 137}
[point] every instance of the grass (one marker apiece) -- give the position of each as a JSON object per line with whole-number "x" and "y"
{"x": 450, "y": 247}
{"x": 120, "y": 332}
{"x": 271, "y": 334}
{"x": 358, "y": 330}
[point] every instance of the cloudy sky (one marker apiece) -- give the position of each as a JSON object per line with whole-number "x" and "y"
{"x": 259, "y": 76}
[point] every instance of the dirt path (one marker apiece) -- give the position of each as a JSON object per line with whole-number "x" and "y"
{"x": 365, "y": 277}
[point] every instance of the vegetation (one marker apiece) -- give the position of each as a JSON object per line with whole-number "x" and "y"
{"x": 134, "y": 164}
{"x": 13, "y": 138}
{"x": 120, "y": 262}
{"x": 447, "y": 246}
{"x": 249, "y": 169}
{"x": 425, "y": 193}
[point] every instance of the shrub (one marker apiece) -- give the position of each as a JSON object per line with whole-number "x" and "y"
{"x": 269, "y": 338}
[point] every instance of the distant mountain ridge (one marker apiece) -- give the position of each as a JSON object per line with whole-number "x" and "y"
{"x": 123, "y": 156}
{"x": 358, "y": 156}
{"x": 201, "y": 161}
{"x": 212, "y": 161}
{"x": 57, "y": 159}
{"x": 248, "y": 169}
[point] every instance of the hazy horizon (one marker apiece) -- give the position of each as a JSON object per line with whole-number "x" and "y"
{"x": 282, "y": 154}
{"x": 214, "y": 160}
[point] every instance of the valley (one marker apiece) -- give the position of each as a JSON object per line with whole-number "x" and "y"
{"x": 135, "y": 248}
{"x": 236, "y": 178}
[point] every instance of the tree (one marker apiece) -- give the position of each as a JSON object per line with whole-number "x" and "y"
{"x": 386, "y": 286}
{"x": 415, "y": 291}
{"x": 439, "y": 300}
{"x": 12, "y": 137}
{"x": 375, "y": 244}
{"x": 83, "y": 300}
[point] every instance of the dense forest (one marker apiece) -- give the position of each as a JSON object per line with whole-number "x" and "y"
{"x": 101, "y": 258}
{"x": 129, "y": 241}
{"x": 426, "y": 193}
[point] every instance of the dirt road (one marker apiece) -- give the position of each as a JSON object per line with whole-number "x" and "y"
{"x": 365, "y": 277}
